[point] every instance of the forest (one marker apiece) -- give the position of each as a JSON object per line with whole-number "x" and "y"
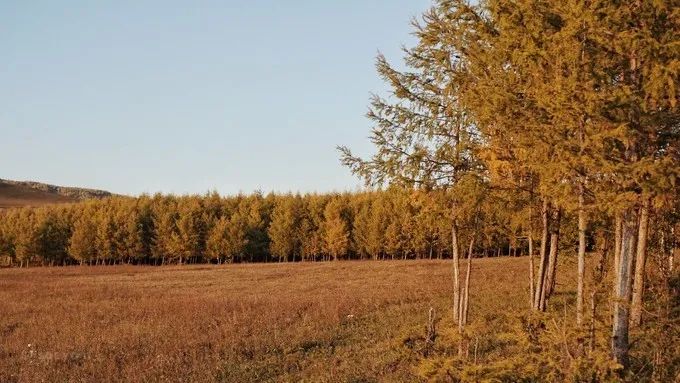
{"x": 547, "y": 129}
{"x": 165, "y": 229}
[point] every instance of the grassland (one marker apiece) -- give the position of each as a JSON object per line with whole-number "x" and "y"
{"x": 335, "y": 322}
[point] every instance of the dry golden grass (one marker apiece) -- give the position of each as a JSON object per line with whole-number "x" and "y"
{"x": 335, "y": 322}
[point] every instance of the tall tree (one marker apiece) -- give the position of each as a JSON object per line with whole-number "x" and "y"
{"x": 226, "y": 240}
{"x": 81, "y": 244}
{"x": 335, "y": 229}
{"x": 423, "y": 137}
{"x": 283, "y": 230}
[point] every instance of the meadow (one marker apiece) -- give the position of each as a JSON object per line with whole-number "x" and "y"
{"x": 353, "y": 321}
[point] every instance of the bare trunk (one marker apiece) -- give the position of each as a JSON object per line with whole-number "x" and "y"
{"x": 531, "y": 270}
{"x": 466, "y": 296}
{"x": 543, "y": 263}
{"x": 552, "y": 259}
{"x": 640, "y": 260}
{"x": 591, "y": 330}
{"x": 581, "y": 255}
{"x": 552, "y": 264}
{"x": 618, "y": 226}
{"x": 463, "y": 301}
{"x": 623, "y": 287}
{"x": 456, "y": 271}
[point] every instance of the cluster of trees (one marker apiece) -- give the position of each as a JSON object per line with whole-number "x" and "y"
{"x": 396, "y": 223}
{"x": 555, "y": 110}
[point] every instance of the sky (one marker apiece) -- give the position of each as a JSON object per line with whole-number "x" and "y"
{"x": 191, "y": 96}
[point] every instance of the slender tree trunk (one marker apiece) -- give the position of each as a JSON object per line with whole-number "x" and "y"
{"x": 466, "y": 296}
{"x": 552, "y": 264}
{"x": 671, "y": 258}
{"x": 581, "y": 254}
{"x": 463, "y": 301}
{"x": 456, "y": 271}
{"x": 531, "y": 271}
{"x": 623, "y": 287}
{"x": 618, "y": 228}
{"x": 552, "y": 259}
{"x": 591, "y": 330}
{"x": 543, "y": 263}
{"x": 640, "y": 260}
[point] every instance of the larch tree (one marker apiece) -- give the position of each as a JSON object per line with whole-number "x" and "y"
{"x": 310, "y": 230}
{"x": 252, "y": 216}
{"x": 361, "y": 228}
{"x": 284, "y": 240}
{"x": 188, "y": 240}
{"x": 423, "y": 137}
{"x": 227, "y": 240}
{"x": 164, "y": 217}
{"x": 105, "y": 237}
{"x": 82, "y": 242}
{"x": 336, "y": 232}
{"x": 25, "y": 238}
{"x": 377, "y": 227}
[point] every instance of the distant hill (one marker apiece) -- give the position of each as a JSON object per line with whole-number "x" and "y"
{"x": 29, "y": 193}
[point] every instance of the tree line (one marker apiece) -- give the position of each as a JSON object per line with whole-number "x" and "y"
{"x": 396, "y": 223}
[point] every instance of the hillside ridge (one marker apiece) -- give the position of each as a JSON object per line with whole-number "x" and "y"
{"x": 32, "y": 193}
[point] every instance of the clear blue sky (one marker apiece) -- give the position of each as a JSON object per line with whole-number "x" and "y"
{"x": 190, "y": 96}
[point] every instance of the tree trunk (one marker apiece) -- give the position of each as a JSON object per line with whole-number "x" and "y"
{"x": 466, "y": 296}
{"x": 623, "y": 287}
{"x": 543, "y": 263}
{"x": 552, "y": 259}
{"x": 456, "y": 271}
{"x": 581, "y": 254}
{"x": 640, "y": 260}
{"x": 463, "y": 301}
{"x": 552, "y": 264}
{"x": 531, "y": 271}
{"x": 591, "y": 330}
{"x": 618, "y": 227}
